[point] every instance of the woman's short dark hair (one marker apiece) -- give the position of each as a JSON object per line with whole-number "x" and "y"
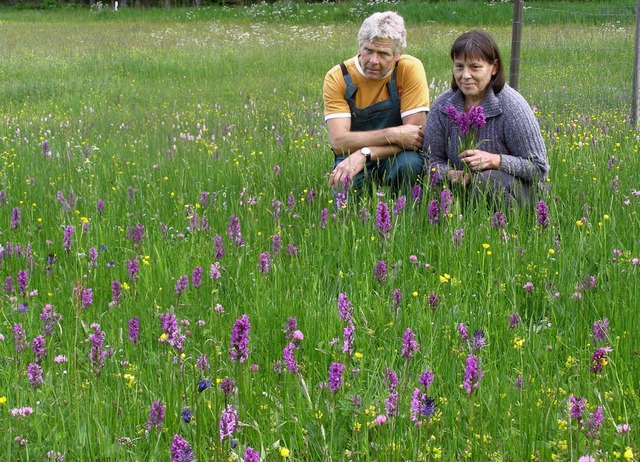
{"x": 479, "y": 44}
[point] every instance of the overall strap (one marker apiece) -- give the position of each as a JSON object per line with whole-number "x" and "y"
{"x": 351, "y": 88}
{"x": 392, "y": 88}
{"x": 382, "y": 114}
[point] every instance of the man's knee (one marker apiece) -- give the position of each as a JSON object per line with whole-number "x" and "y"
{"x": 408, "y": 165}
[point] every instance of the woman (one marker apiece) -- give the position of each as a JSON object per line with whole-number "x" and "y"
{"x": 509, "y": 163}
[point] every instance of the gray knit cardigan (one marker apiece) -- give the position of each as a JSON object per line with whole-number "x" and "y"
{"x": 511, "y": 130}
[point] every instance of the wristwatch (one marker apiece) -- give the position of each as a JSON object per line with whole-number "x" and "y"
{"x": 366, "y": 152}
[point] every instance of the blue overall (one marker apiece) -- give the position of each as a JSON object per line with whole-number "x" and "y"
{"x": 400, "y": 171}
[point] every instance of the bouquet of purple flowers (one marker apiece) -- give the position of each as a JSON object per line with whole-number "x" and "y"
{"x": 468, "y": 124}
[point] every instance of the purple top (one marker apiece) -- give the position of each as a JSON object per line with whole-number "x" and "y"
{"x": 511, "y": 130}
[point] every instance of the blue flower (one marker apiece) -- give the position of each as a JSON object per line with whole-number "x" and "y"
{"x": 203, "y": 384}
{"x": 428, "y": 407}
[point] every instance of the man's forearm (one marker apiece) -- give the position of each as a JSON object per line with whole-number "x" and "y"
{"x": 348, "y": 142}
{"x": 408, "y": 136}
{"x": 382, "y": 152}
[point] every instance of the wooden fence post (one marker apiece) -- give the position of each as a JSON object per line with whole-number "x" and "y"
{"x": 635, "y": 92}
{"x": 516, "y": 34}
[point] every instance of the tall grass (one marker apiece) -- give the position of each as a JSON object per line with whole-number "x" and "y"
{"x": 180, "y": 127}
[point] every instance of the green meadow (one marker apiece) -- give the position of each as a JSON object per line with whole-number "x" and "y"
{"x": 178, "y": 284}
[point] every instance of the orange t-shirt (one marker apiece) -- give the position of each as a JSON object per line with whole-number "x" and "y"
{"x": 411, "y": 81}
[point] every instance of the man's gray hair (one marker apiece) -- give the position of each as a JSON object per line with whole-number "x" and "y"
{"x": 385, "y": 26}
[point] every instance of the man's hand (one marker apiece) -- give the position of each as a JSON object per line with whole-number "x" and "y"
{"x": 344, "y": 172}
{"x": 408, "y": 137}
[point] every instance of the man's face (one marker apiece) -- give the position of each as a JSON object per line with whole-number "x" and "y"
{"x": 377, "y": 58}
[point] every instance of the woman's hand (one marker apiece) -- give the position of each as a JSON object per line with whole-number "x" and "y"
{"x": 477, "y": 160}
{"x": 459, "y": 177}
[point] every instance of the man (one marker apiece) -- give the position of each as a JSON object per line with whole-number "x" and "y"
{"x": 376, "y": 106}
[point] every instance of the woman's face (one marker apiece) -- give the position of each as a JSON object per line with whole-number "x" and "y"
{"x": 473, "y": 75}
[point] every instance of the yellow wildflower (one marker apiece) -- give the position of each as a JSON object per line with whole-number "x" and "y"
{"x": 131, "y": 379}
{"x": 518, "y": 342}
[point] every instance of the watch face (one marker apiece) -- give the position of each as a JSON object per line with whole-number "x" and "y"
{"x": 366, "y": 151}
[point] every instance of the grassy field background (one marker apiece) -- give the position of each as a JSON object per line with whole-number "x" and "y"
{"x": 142, "y": 147}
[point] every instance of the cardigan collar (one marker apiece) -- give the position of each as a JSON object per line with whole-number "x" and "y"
{"x": 490, "y": 103}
